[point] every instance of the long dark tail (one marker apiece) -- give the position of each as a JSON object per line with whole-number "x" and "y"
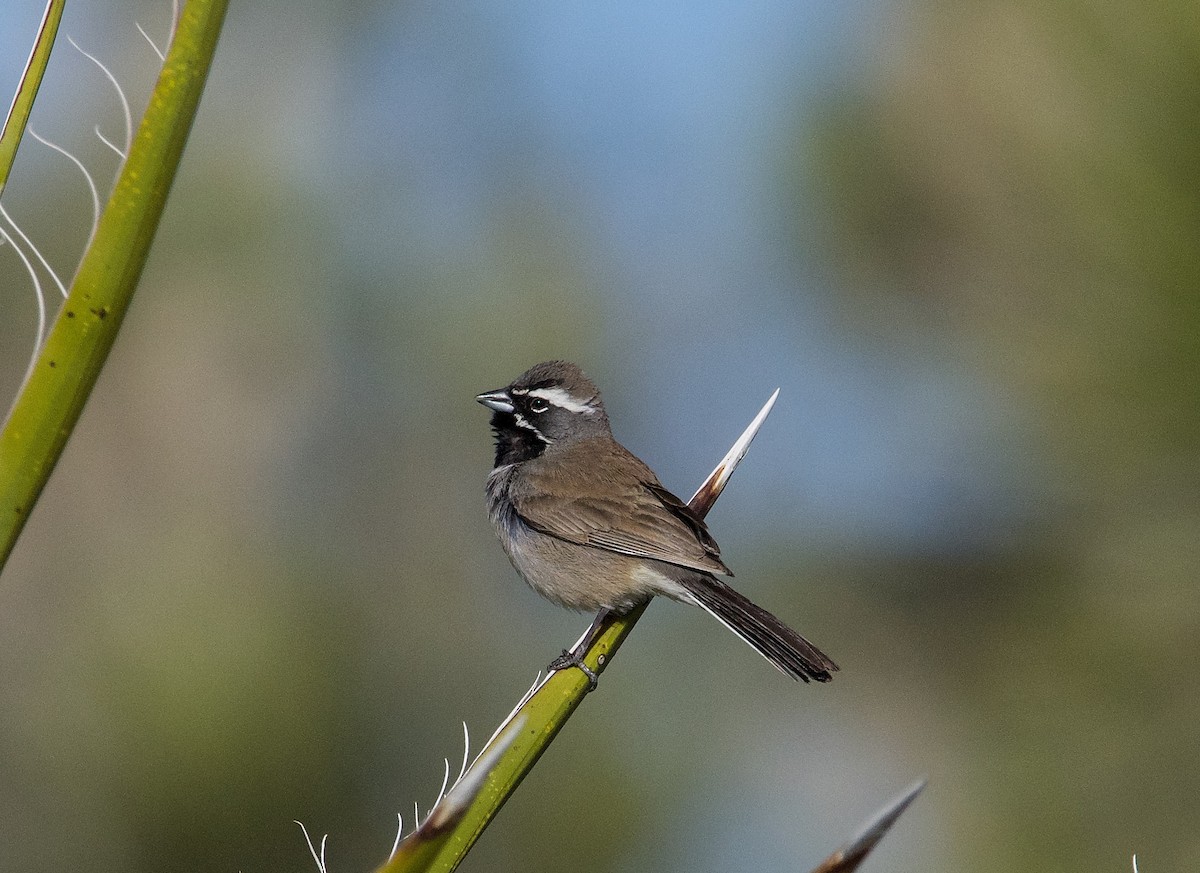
{"x": 769, "y": 636}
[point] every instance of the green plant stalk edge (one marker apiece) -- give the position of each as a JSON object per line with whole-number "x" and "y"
{"x": 69, "y": 363}
{"x": 545, "y": 714}
{"x": 27, "y": 88}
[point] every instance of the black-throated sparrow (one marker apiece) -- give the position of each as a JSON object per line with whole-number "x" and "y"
{"x": 590, "y": 527}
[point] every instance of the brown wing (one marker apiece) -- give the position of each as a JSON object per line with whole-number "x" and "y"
{"x": 622, "y": 508}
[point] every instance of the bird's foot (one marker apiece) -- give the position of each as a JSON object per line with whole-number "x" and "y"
{"x": 570, "y": 658}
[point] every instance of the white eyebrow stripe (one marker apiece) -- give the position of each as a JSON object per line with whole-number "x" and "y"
{"x": 563, "y": 400}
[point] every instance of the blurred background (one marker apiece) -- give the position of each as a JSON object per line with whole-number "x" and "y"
{"x": 962, "y": 239}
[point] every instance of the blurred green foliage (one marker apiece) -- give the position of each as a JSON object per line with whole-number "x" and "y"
{"x": 261, "y": 586}
{"x": 1028, "y": 176}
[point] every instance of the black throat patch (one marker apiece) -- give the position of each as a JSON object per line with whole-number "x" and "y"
{"x": 514, "y": 442}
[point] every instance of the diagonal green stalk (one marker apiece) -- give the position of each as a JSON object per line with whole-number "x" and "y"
{"x": 31, "y": 80}
{"x": 443, "y": 840}
{"x": 69, "y": 363}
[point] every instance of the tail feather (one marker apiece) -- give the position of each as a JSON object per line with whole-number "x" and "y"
{"x": 770, "y": 637}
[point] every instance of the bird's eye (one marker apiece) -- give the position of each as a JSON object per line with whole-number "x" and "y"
{"x": 537, "y": 404}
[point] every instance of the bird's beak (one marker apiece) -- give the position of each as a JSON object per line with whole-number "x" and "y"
{"x": 498, "y": 400}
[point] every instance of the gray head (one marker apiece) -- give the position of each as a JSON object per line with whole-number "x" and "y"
{"x": 548, "y": 403}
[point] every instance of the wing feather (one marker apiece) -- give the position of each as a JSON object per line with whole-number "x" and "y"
{"x": 632, "y": 515}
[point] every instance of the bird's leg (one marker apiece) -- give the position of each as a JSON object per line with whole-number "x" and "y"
{"x": 574, "y": 657}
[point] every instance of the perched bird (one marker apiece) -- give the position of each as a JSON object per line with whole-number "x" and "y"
{"x": 590, "y": 527}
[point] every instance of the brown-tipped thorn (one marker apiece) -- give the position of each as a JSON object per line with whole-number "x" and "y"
{"x": 706, "y": 495}
{"x": 849, "y": 856}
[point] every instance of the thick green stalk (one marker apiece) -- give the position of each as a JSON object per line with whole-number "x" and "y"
{"x": 69, "y": 363}
{"x": 544, "y": 716}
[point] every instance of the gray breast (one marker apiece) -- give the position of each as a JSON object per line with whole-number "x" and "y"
{"x": 500, "y": 506}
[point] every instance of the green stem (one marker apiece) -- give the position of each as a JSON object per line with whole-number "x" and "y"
{"x": 31, "y": 80}
{"x": 69, "y": 363}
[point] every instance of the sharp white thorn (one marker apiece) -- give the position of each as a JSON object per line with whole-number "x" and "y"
{"x": 462, "y": 793}
{"x": 117, "y": 85}
{"x": 445, "y": 782}
{"x": 91, "y": 183}
{"x": 153, "y": 47}
{"x": 38, "y": 293}
{"x": 872, "y": 832}
{"x": 399, "y": 835}
{"x": 720, "y": 475}
{"x": 318, "y": 859}
{"x": 538, "y": 682}
{"x": 116, "y": 150}
{"x": 62, "y": 289}
{"x": 466, "y": 753}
